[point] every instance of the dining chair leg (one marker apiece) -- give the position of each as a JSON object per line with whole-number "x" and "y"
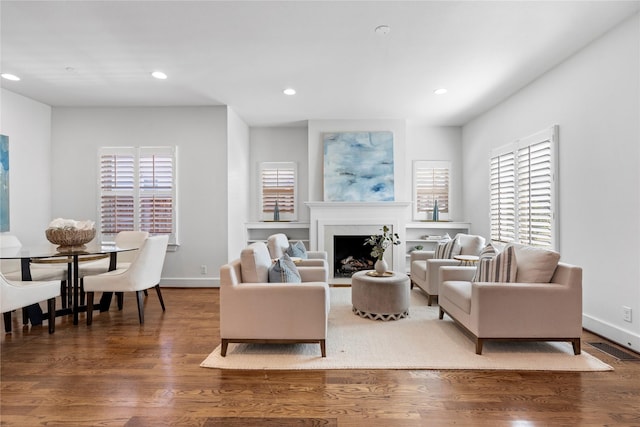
{"x": 51, "y": 306}
{"x": 89, "y": 308}
{"x": 140, "y": 299}
{"x": 7, "y": 322}
{"x": 25, "y": 316}
{"x": 120, "y": 298}
{"x": 63, "y": 293}
{"x": 160, "y": 296}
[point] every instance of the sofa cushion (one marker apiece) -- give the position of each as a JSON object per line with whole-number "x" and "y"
{"x": 459, "y": 293}
{"x": 470, "y": 244}
{"x": 297, "y": 249}
{"x": 254, "y": 263}
{"x": 284, "y": 270}
{"x": 501, "y": 268}
{"x": 447, "y": 250}
{"x": 535, "y": 265}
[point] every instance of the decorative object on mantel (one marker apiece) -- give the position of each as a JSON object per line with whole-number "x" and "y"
{"x": 358, "y": 167}
{"x": 70, "y": 234}
{"x": 436, "y": 214}
{"x": 380, "y": 243}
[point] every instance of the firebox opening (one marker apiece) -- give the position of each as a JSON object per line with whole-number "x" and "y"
{"x": 350, "y": 255}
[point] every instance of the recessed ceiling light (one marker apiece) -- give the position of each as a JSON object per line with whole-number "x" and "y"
{"x": 383, "y": 29}
{"x": 10, "y": 77}
{"x": 159, "y": 75}
{"x": 440, "y": 91}
{"x": 289, "y": 91}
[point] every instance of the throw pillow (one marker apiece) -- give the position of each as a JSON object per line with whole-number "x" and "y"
{"x": 488, "y": 252}
{"x": 501, "y": 268}
{"x": 447, "y": 250}
{"x": 535, "y": 265}
{"x": 284, "y": 270}
{"x": 297, "y": 250}
{"x": 470, "y": 244}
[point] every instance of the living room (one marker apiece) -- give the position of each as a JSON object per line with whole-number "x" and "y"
{"x": 592, "y": 94}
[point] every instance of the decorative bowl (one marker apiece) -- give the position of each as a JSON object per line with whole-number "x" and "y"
{"x": 69, "y": 238}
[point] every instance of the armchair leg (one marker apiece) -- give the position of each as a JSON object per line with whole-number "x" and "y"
{"x": 441, "y": 314}
{"x": 159, "y": 296}
{"x": 89, "y": 308}
{"x": 576, "y": 346}
{"x": 140, "y": 299}
{"x": 7, "y": 322}
{"x": 323, "y": 348}
{"x": 51, "y": 318}
{"x": 223, "y": 348}
{"x": 479, "y": 343}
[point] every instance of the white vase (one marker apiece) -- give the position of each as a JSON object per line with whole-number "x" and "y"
{"x": 381, "y": 266}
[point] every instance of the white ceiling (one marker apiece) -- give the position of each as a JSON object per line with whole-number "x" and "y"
{"x": 244, "y": 53}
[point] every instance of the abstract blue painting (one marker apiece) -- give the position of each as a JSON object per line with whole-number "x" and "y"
{"x": 4, "y": 183}
{"x": 358, "y": 167}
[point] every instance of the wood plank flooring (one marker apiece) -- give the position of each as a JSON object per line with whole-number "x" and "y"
{"x": 118, "y": 373}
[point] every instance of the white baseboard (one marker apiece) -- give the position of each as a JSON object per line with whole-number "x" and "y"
{"x": 611, "y": 332}
{"x": 190, "y": 282}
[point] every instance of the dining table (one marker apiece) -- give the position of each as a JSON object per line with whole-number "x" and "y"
{"x": 73, "y": 257}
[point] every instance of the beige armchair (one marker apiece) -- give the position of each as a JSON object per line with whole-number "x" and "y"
{"x": 425, "y": 268}
{"x": 278, "y": 245}
{"x": 254, "y": 310}
{"x": 522, "y": 311}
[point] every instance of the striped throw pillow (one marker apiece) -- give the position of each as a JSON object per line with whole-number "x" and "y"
{"x": 501, "y": 268}
{"x": 447, "y": 249}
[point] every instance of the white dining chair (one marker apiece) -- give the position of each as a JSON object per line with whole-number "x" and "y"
{"x": 19, "y": 294}
{"x": 143, "y": 273}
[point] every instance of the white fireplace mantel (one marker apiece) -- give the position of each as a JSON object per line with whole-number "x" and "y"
{"x": 326, "y": 216}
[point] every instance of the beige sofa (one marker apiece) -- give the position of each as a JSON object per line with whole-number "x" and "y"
{"x": 254, "y": 310}
{"x": 425, "y": 269}
{"x": 549, "y": 311}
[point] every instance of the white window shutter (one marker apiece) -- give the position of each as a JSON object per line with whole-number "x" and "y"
{"x": 278, "y": 182}
{"x": 431, "y": 182}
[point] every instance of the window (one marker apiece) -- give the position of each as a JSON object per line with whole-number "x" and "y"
{"x": 278, "y": 184}
{"x": 431, "y": 182}
{"x": 523, "y": 190}
{"x": 138, "y": 191}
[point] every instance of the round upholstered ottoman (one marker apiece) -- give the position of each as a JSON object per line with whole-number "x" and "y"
{"x": 380, "y": 298}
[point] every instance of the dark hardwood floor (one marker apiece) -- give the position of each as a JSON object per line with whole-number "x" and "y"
{"x": 118, "y": 373}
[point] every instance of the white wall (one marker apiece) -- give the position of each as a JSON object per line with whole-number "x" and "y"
{"x": 201, "y": 136}
{"x": 28, "y": 125}
{"x": 279, "y": 144}
{"x": 594, "y": 97}
{"x": 238, "y": 192}
{"x": 437, "y": 143}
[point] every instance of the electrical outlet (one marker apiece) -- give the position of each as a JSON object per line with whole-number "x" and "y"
{"x": 203, "y": 269}
{"x": 626, "y": 314}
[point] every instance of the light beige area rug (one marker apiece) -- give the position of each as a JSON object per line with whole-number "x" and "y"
{"x": 421, "y": 341}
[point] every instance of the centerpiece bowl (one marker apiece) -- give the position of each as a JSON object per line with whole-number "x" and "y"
{"x": 70, "y": 239}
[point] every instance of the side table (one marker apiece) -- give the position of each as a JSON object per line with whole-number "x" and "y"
{"x": 380, "y": 297}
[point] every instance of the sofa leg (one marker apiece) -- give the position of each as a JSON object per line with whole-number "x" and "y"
{"x": 576, "y": 346}
{"x": 479, "y": 342}
{"x": 223, "y": 348}
{"x": 323, "y": 348}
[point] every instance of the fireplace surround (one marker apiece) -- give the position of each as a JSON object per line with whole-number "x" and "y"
{"x": 329, "y": 219}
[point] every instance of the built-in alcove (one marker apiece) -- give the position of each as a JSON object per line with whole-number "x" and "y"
{"x": 351, "y": 255}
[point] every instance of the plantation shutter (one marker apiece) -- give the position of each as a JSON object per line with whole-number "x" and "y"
{"x": 278, "y": 183}
{"x": 117, "y": 190}
{"x": 138, "y": 191}
{"x": 431, "y": 180}
{"x": 535, "y": 184}
{"x": 156, "y": 177}
{"x": 523, "y": 191}
{"x": 503, "y": 197}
